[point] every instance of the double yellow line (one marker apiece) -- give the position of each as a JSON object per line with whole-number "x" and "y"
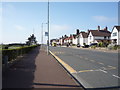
{"x": 69, "y": 68}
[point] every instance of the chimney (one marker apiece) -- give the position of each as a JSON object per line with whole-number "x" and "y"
{"x": 77, "y": 31}
{"x": 98, "y": 28}
{"x": 88, "y": 31}
{"x": 106, "y": 28}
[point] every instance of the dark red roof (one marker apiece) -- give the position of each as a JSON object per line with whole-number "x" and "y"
{"x": 117, "y": 27}
{"x": 100, "y": 33}
{"x": 84, "y": 34}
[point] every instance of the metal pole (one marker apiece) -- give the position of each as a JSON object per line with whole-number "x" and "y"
{"x": 48, "y": 31}
{"x": 42, "y": 34}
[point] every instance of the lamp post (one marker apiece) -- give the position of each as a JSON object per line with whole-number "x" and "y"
{"x": 48, "y": 31}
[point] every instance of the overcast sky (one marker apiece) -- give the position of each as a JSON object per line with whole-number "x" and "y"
{"x": 20, "y": 18}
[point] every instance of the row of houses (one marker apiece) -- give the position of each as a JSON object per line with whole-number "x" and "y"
{"x": 91, "y": 36}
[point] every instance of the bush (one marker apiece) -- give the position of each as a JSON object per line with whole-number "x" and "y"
{"x": 13, "y": 53}
{"x": 94, "y": 46}
{"x": 73, "y": 44}
{"x": 100, "y": 44}
{"x": 113, "y": 47}
{"x": 84, "y": 44}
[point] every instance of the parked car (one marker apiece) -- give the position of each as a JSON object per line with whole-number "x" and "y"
{"x": 85, "y": 46}
{"x": 93, "y": 44}
{"x": 78, "y": 45}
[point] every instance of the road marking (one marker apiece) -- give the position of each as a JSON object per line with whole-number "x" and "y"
{"x": 85, "y": 71}
{"x": 92, "y": 60}
{"x": 69, "y": 68}
{"x": 101, "y": 63}
{"x": 104, "y": 68}
{"x": 103, "y": 71}
{"x": 116, "y": 76}
{"x": 112, "y": 67}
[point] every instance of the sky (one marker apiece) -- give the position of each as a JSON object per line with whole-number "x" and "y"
{"x": 21, "y": 19}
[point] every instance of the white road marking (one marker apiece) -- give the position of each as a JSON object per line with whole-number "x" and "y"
{"x": 116, "y": 76}
{"x": 92, "y": 60}
{"x": 104, "y": 68}
{"x": 101, "y": 63}
{"x": 111, "y": 67}
{"x": 103, "y": 71}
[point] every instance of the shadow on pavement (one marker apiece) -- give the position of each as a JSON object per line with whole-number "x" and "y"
{"x": 21, "y": 74}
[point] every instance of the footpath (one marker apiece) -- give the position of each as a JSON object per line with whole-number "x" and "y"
{"x": 38, "y": 70}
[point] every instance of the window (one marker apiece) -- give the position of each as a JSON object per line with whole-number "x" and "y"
{"x": 104, "y": 37}
{"x": 90, "y": 37}
{"x": 115, "y": 34}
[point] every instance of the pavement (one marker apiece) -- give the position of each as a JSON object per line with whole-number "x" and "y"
{"x": 38, "y": 70}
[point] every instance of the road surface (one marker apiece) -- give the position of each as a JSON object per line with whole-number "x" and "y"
{"x": 93, "y": 69}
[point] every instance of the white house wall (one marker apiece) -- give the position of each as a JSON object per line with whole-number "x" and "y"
{"x": 119, "y": 38}
{"x": 98, "y": 37}
{"x": 75, "y": 41}
{"x": 86, "y": 41}
{"x": 82, "y": 40}
{"x": 90, "y": 40}
{"x": 115, "y": 37}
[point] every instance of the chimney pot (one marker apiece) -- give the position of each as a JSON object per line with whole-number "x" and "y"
{"x": 106, "y": 28}
{"x": 77, "y": 31}
{"x": 98, "y": 27}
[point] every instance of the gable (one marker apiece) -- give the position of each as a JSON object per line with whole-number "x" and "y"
{"x": 117, "y": 28}
{"x": 90, "y": 34}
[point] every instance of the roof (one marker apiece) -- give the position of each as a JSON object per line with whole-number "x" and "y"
{"x": 117, "y": 27}
{"x": 100, "y": 33}
{"x": 84, "y": 34}
{"x": 74, "y": 35}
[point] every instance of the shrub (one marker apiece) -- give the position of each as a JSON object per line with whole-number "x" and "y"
{"x": 100, "y": 44}
{"x": 113, "y": 47}
{"x": 94, "y": 46}
{"x": 73, "y": 44}
{"x": 13, "y": 53}
{"x": 84, "y": 44}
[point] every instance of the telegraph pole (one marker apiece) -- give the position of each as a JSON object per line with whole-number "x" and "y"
{"x": 48, "y": 31}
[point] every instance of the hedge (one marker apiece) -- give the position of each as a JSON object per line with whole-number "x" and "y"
{"x": 13, "y": 53}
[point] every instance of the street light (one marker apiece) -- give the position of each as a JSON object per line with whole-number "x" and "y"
{"x": 48, "y": 31}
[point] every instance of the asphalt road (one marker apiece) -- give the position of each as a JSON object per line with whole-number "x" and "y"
{"x": 94, "y": 69}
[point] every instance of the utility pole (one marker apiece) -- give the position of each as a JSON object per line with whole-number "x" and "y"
{"x": 48, "y": 31}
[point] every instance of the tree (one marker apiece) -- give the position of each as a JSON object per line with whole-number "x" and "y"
{"x": 31, "y": 40}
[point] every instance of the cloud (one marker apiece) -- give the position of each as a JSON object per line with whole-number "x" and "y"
{"x": 104, "y": 19}
{"x": 19, "y": 27}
